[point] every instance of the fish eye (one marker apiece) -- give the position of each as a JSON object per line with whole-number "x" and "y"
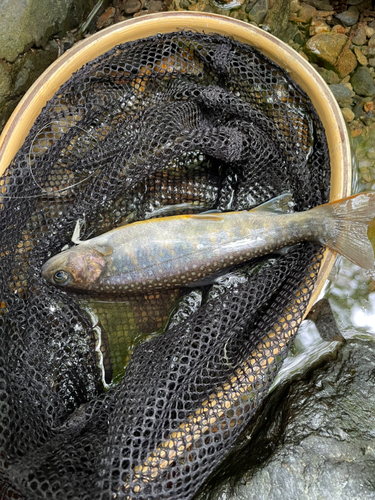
{"x": 60, "y": 277}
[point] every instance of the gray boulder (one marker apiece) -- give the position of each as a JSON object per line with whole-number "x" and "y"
{"x": 314, "y": 439}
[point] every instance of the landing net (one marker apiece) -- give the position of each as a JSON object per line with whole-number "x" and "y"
{"x": 176, "y": 123}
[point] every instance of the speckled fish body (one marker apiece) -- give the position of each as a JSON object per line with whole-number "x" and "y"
{"x": 176, "y": 251}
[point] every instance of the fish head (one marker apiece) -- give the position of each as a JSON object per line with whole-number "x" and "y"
{"x": 78, "y": 268}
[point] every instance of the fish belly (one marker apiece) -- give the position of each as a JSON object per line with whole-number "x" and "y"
{"x": 178, "y": 251}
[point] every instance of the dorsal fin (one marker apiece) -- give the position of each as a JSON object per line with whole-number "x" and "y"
{"x": 281, "y": 204}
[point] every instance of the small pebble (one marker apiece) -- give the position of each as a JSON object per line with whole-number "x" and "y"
{"x": 363, "y": 82}
{"x": 360, "y": 37}
{"x": 371, "y": 42}
{"x": 295, "y": 6}
{"x": 318, "y": 26}
{"x": 369, "y": 31}
{"x": 154, "y": 5}
{"x": 106, "y": 19}
{"x": 361, "y": 58}
{"x": 349, "y": 17}
{"x": 342, "y": 95}
{"x": 348, "y": 114}
{"x": 132, "y": 6}
{"x": 339, "y": 29}
{"x": 356, "y": 128}
{"x": 371, "y": 61}
{"x": 366, "y": 174}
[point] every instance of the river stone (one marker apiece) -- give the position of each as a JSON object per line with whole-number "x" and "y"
{"x": 342, "y": 95}
{"x": 361, "y": 58}
{"x": 154, "y": 5}
{"x": 5, "y": 81}
{"x": 277, "y": 20}
{"x": 328, "y": 75}
{"x": 346, "y": 63}
{"x": 21, "y": 74}
{"x": 321, "y": 4}
{"x": 132, "y": 6}
{"x": 360, "y": 37}
{"x": 314, "y": 440}
{"x": 326, "y": 47}
{"x": 27, "y": 23}
{"x": 348, "y": 114}
{"x": 371, "y": 42}
{"x": 349, "y": 17}
{"x": 258, "y": 11}
{"x": 306, "y": 13}
{"x": 363, "y": 82}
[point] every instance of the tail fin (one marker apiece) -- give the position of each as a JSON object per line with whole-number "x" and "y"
{"x": 351, "y": 218}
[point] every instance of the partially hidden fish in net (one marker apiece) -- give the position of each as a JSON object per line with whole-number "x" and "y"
{"x": 177, "y": 251}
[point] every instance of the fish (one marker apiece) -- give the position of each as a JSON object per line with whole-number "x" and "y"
{"x": 178, "y": 251}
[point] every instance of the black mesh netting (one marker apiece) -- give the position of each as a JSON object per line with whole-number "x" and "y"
{"x": 175, "y": 123}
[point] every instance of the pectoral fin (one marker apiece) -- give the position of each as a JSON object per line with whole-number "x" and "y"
{"x": 281, "y": 204}
{"x": 103, "y": 248}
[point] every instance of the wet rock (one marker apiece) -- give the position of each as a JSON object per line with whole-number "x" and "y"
{"x": 322, "y": 315}
{"x": 16, "y": 78}
{"x": 258, "y": 11}
{"x": 363, "y": 82}
{"x": 317, "y": 439}
{"x": 360, "y": 37}
{"x": 277, "y": 21}
{"x": 346, "y": 63}
{"x": 27, "y": 23}
{"x": 342, "y": 95}
{"x": 349, "y": 17}
{"x": 326, "y": 47}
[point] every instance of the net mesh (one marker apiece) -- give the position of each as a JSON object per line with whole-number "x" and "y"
{"x": 142, "y": 396}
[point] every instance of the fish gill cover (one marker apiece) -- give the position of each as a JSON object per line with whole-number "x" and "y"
{"x": 193, "y": 120}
